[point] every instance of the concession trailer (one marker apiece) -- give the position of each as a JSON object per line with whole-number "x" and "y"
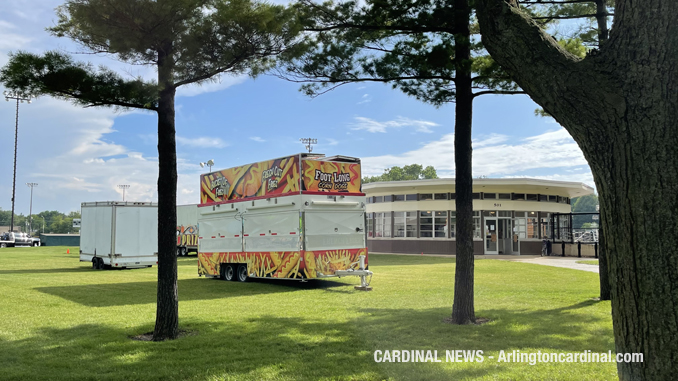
{"x": 187, "y": 229}
{"x": 119, "y": 234}
{"x": 296, "y": 217}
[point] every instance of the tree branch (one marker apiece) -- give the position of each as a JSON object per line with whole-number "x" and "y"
{"x": 498, "y": 92}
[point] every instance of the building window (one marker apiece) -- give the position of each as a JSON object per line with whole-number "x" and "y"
{"x": 382, "y": 225}
{"x": 504, "y": 196}
{"x": 532, "y": 225}
{"x": 543, "y": 197}
{"x": 532, "y": 197}
{"x": 476, "y": 224}
{"x": 520, "y": 224}
{"x": 545, "y": 225}
{"x": 411, "y": 197}
{"x": 453, "y": 224}
{"x": 378, "y": 199}
{"x": 405, "y": 224}
{"x": 489, "y": 213}
{"x": 440, "y": 196}
{"x": 388, "y": 198}
{"x": 398, "y": 197}
{"x": 370, "y": 225}
{"x": 476, "y": 196}
{"x": 553, "y": 198}
{"x": 425, "y": 196}
{"x": 433, "y": 224}
{"x": 453, "y": 196}
{"x": 489, "y": 196}
{"x": 505, "y": 213}
{"x": 368, "y": 200}
{"x": 518, "y": 196}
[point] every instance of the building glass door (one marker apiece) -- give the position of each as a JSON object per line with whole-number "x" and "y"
{"x": 491, "y": 236}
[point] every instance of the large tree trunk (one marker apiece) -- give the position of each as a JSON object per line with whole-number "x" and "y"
{"x": 621, "y": 106}
{"x": 603, "y": 271}
{"x": 167, "y": 312}
{"x": 463, "y": 311}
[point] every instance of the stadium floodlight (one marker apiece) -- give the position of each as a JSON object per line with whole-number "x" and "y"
{"x": 19, "y": 97}
{"x": 208, "y": 163}
{"x": 123, "y": 187}
{"x": 308, "y": 142}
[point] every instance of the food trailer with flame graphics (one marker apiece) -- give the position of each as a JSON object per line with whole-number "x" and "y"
{"x": 187, "y": 229}
{"x": 297, "y": 217}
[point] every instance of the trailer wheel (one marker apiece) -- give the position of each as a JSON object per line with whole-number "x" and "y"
{"x": 95, "y": 263}
{"x": 227, "y": 271}
{"x": 3, "y": 245}
{"x": 183, "y": 252}
{"x": 101, "y": 264}
{"x": 242, "y": 273}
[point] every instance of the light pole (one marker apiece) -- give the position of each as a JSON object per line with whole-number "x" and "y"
{"x": 123, "y": 187}
{"x": 30, "y": 218}
{"x": 308, "y": 142}
{"x": 209, "y": 163}
{"x": 20, "y": 97}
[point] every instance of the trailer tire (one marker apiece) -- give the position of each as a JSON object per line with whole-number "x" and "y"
{"x": 183, "y": 252}
{"x": 95, "y": 263}
{"x": 3, "y": 245}
{"x": 242, "y": 273}
{"x": 227, "y": 271}
{"x": 101, "y": 265}
{"x": 35, "y": 244}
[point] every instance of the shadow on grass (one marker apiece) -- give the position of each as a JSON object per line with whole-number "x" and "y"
{"x": 120, "y": 294}
{"x": 303, "y": 348}
{"x": 47, "y": 271}
{"x": 406, "y": 259}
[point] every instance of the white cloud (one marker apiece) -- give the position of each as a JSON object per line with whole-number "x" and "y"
{"x": 366, "y": 98}
{"x": 201, "y": 142}
{"x": 493, "y": 156}
{"x": 371, "y": 125}
{"x": 257, "y": 139}
{"x": 219, "y": 83}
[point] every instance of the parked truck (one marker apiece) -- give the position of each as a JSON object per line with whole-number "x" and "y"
{"x": 119, "y": 234}
{"x": 297, "y": 217}
{"x": 12, "y": 239}
{"x": 187, "y": 229}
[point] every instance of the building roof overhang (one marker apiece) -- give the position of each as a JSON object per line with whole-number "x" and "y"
{"x": 503, "y": 185}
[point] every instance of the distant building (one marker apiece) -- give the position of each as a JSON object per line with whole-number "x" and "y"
{"x": 6, "y": 229}
{"x": 511, "y": 215}
{"x": 60, "y": 239}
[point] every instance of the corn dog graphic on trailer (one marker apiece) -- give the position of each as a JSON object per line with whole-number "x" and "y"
{"x": 297, "y": 217}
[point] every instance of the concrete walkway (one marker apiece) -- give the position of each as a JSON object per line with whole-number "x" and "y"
{"x": 565, "y": 262}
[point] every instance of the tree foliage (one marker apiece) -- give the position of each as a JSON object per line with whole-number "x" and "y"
{"x": 407, "y": 172}
{"x": 409, "y": 45}
{"x": 584, "y": 204}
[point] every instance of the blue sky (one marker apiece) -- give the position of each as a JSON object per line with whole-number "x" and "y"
{"x": 78, "y": 155}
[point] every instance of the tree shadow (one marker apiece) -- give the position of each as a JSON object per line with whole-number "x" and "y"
{"x": 47, "y": 271}
{"x": 406, "y": 260}
{"x": 306, "y": 347}
{"x": 130, "y": 293}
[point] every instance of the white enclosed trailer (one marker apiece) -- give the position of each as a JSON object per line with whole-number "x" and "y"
{"x": 119, "y": 234}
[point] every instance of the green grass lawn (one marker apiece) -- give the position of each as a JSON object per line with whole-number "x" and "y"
{"x": 61, "y": 320}
{"x": 590, "y": 262}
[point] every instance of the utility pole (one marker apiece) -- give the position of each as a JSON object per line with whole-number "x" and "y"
{"x": 30, "y": 218}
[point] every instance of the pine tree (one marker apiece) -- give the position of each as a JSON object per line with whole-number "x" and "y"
{"x": 187, "y": 41}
